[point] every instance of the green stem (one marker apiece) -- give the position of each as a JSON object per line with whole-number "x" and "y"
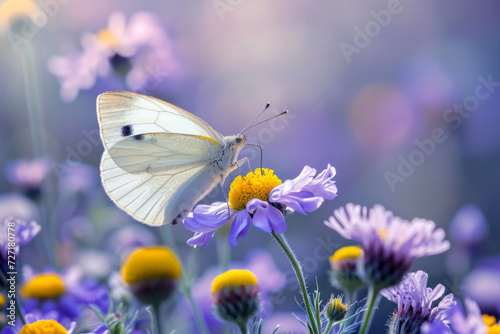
{"x": 159, "y": 323}
{"x": 300, "y": 277}
{"x": 372, "y": 297}
{"x": 329, "y": 327}
{"x": 223, "y": 253}
{"x": 243, "y": 327}
{"x": 19, "y": 311}
{"x": 200, "y": 322}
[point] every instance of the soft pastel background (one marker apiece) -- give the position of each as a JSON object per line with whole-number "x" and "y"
{"x": 362, "y": 113}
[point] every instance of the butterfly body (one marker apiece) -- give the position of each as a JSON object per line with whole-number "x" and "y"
{"x": 160, "y": 160}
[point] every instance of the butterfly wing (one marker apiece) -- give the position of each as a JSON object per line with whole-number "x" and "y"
{"x": 150, "y": 174}
{"x": 124, "y": 114}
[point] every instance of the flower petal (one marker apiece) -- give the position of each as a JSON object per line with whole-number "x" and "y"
{"x": 266, "y": 217}
{"x": 208, "y": 218}
{"x": 239, "y": 227}
{"x": 200, "y": 239}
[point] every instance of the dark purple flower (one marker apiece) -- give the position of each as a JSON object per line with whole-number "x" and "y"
{"x": 262, "y": 200}
{"x": 415, "y": 301}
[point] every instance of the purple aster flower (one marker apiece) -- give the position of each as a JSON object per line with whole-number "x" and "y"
{"x": 390, "y": 244}
{"x": 459, "y": 321}
{"x": 262, "y": 199}
{"x": 61, "y": 297}
{"x": 28, "y": 175}
{"x": 415, "y": 301}
{"x": 469, "y": 226}
{"x": 134, "y": 51}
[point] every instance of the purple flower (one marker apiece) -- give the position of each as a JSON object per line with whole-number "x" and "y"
{"x": 468, "y": 227}
{"x": 134, "y": 51}
{"x": 28, "y": 175}
{"x": 61, "y": 297}
{"x": 459, "y": 322}
{"x": 390, "y": 244}
{"x": 483, "y": 285}
{"x": 415, "y": 301}
{"x": 260, "y": 198}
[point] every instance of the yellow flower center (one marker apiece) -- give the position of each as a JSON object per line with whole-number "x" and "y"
{"x": 489, "y": 320}
{"x": 151, "y": 263}
{"x": 107, "y": 38}
{"x": 13, "y": 9}
{"x": 44, "y": 327}
{"x": 346, "y": 253}
{"x": 235, "y": 277}
{"x": 2, "y": 300}
{"x": 43, "y": 286}
{"x": 253, "y": 185}
{"x": 337, "y": 305}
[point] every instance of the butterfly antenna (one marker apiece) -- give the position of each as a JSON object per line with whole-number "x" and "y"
{"x": 251, "y": 126}
{"x": 261, "y": 153}
{"x": 253, "y": 120}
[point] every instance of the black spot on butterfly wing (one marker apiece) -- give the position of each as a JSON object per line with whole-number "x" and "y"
{"x": 139, "y": 137}
{"x": 127, "y": 130}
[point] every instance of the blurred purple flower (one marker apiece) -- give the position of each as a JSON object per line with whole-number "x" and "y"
{"x": 15, "y": 205}
{"x": 390, "y": 244}
{"x": 80, "y": 178}
{"x": 128, "y": 238}
{"x": 66, "y": 307}
{"x": 460, "y": 323}
{"x": 415, "y": 301}
{"x": 483, "y": 286}
{"x": 270, "y": 279}
{"x": 134, "y": 51}
{"x": 28, "y": 175}
{"x": 469, "y": 227}
{"x": 303, "y": 194}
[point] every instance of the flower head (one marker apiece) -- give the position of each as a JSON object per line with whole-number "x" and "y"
{"x": 152, "y": 273}
{"x": 459, "y": 321}
{"x": 235, "y": 294}
{"x": 335, "y": 309}
{"x": 262, "y": 199}
{"x": 415, "y": 301}
{"x": 344, "y": 264}
{"x": 469, "y": 226}
{"x": 28, "y": 175}
{"x": 132, "y": 51}
{"x": 390, "y": 244}
{"x": 61, "y": 296}
{"x": 44, "y": 327}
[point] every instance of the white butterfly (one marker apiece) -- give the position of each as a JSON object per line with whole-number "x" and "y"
{"x": 159, "y": 159}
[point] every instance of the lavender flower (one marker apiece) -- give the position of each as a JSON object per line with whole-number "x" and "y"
{"x": 460, "y": 323}
{"x": 133, "y": 51}
{"x": 262, "y": 199}
{"x": 390, "y": 244}
{"x": 469, "y": 226}
{"x": 415, "y": 301}
{"x": 28, "y": 175}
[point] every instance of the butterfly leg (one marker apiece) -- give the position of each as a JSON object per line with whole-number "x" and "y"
{"x": 227, "y": 201}
{"x": 241, "y": 162}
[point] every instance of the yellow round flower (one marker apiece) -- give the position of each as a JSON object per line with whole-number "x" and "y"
{"x": 233, "y": 278}
{"x": 346, "y": 253}
{"x": 152, "y": 273}
{"x": 44, "y": 327}
{"x": 151, "y": 263}
{"x": 43, "y": 286}
{"x": 3, "y": 301}
{"x": 335, "y": 309}
{"x": 253, "y": 185}
{"x": 236, "y": 296}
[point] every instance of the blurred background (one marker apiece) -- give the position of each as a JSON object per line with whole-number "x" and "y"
{"x": 401, "y": 97}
